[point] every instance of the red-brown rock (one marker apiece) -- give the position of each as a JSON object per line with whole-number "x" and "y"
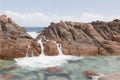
{"x": 50, "y": 49}
{"x": 96, "y": 38}
{"x": 14, "y": 39}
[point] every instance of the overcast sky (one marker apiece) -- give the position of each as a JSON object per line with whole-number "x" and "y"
{"x": 42, "y": 12}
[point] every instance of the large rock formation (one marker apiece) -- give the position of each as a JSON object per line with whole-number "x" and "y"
{"x": 76, "y": 38}
{"x": 14, "y": 40}
{"x": 96, "y": 38}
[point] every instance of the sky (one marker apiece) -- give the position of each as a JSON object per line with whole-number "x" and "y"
{"x": 41, "y": 12}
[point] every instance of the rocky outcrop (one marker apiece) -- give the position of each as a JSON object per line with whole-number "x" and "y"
{"x": 76, "y": 38}
{"x": 14, "y": 39}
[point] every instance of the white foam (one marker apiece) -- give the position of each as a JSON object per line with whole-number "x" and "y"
{"x": 33, "y": 34}
{"x": 97, "y": 77}
{"x": 33, "y": 63}
{"x": 40, "y": 62}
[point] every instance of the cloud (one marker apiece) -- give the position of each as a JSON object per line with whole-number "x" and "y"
{"x": 40, "y": 19}
{"x": 36, "y": 18}
{"x": 93, "y": 17}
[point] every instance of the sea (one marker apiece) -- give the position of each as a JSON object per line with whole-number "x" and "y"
{"x": 34, "y": 29}
{"x": 74, "y": 70}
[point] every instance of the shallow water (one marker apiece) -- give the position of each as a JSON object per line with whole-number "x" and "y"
{"x": 71, "y": 71}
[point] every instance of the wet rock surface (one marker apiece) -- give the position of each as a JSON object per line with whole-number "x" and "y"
{"x": 76, "y": 38}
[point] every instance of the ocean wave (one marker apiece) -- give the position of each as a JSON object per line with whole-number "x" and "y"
{"x": 33, "y": 34}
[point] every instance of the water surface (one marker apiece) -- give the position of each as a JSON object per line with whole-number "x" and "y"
{"x": 71, "y": 71}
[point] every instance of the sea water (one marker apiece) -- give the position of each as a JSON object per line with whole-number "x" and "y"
{"x": 34, "y": 31}
{"x": 71, "y": 70}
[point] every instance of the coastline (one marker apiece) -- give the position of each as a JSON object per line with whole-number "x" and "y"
{"x": 58, "y": 50}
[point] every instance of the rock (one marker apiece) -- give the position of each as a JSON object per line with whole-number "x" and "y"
{"x": 11, "y": 21}
{"x": 90, "y": 73}
{"x": 112, "y": 76}
{"x": 7, "y": 77}
{"x": 76, "y": 38}
{"x": 3, "y": 18}
{"x": 54, "y": 69}
{"x": 14, "y": 40}
{"x": 50, "y": 49}
{"x": 36, "y": 48}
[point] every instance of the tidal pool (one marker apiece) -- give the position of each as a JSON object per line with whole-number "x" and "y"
{"x": 71, "y": 71}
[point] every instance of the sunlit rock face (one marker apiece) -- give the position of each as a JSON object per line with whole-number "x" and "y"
{"x": 76, "y": 38}
{"x": 14, "y": 39}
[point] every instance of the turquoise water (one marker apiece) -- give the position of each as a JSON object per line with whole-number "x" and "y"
{"x": 71, "y": 71}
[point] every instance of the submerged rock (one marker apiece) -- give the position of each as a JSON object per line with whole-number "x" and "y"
{"x": 13, "y": 39}
{"x": 7, "y": 77}
{"x": 76, "y": 38}
{"x": 54, "y": 69}
{"x": 112, "y": 76}
{"x": 90, "y": 73}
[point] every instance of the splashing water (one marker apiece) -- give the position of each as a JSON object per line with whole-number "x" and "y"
{"x": 27, "y": 53}
{"x": 42, "y": 47}
{"x": 32, "y": 53}
{"x": 42, "y": 61}
{"x": 97, "y": 77}
{"x": 59, "y": 49}
{"x": 66, "y": 57}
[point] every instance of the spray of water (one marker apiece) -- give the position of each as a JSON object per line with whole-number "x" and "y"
{"x": 42, "y": 47}
{"x": 32, "y": 53}
{"x": 96, "y": 77}
{"x": 59, "y": 47}
{"x": 27, "y": 53}
{"x": 42, "y": 61}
